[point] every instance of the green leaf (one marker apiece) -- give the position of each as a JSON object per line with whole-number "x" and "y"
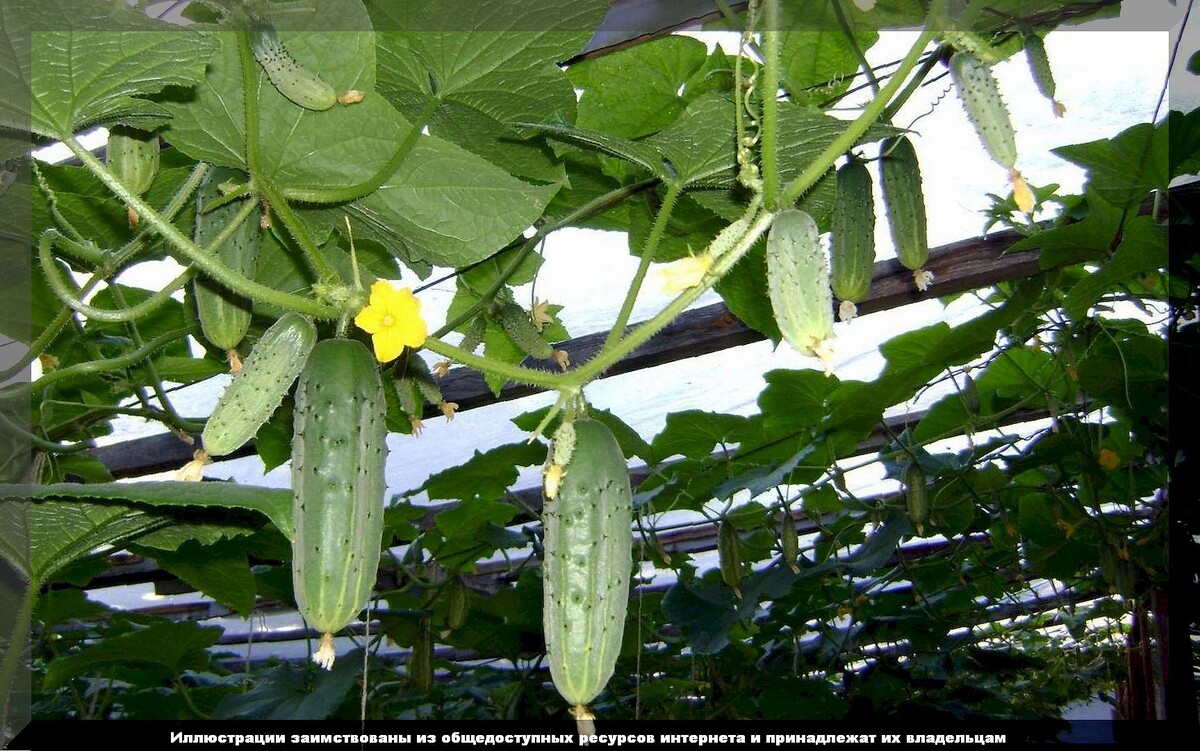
{"x": 818, "y": 62}
{"x": 485, "y": 476}
{"x": 275, "y": 504}
{"x": 65, "y": 531}
{"x": 1143, "y": 249}
{"x": 290, "y": 692}
{"x": 176, "y": 646}
{"x": 445, "y": 206}
{"x": 498, "y": 346}
{"x": 220, "y": 571}
{"x": 796, "y": 399}
{"x": 1124, "y": 168}
{"x": 742, "y": 290}
{"x": 634, "y": 92}
{"x": 694, "y": 433}
{"x": 1088, "y": 239}
{"x": 1184, "y": 149}
{"x": 491, "y": 65}
{"x": 299, "y": 150}
{"x": 81, "y": 78}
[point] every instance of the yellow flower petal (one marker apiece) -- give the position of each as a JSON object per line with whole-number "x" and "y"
{"x": 389, "y": 343}
{"x": 685, "y": 273}
{"x": 393, "y": 319}
{"x": 369, "y": 319}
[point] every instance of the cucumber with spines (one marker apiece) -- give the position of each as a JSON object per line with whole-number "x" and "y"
{"x": 798, "y": 283}
{"x": 904, "y": 204}
{"x": 225, "y": 315}
{"x": 852, "y": 237}
{"x": 261, "y": 384}
{"x": 299, "y": 84}
{"x": 339, "y": 449}
{"x": 1039, "y": 68}
{"x": 588, "y": 554}
{"x": 133, "y": 156}
{"x": 985, "y": 107}
{"x": 729, "y": 555}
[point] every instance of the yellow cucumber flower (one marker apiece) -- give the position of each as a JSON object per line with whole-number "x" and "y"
{"x": 685, "y": 273}
{"x": 393, "y": 319}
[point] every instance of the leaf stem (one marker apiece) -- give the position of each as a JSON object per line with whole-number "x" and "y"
{"x": 541, "y": 378}
{"x": 295, "y": 227}
{"x": 193, "y": 252}
{"x": 639, "y": 336}
{"x": 770, "y": 102}
{"x": 62, "y": 289}
{"x": 320, "y": 194}
{"x": 674, "y": 190}
{"x": 821, "y": 164}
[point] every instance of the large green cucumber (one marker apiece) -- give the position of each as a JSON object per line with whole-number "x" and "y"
{"x": 798, "y": 283}
{"x": 904, "y": 202}
{"x": 985, "y": 108}
{"x": 259, "y": 387}
{"x": 339, "y": 449}
{"x": 852, "y": 237}
{"x": 224, "y": 315}
{"x": 588, "y": 555}
{"x": 132, "y": 155}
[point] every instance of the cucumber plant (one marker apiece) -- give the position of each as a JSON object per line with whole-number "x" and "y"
{"x": 852, "y": 238}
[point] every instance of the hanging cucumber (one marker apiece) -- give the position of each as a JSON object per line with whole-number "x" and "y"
{"x": 789, "y": 540}
{"x": 258, "y": 389}
{"x": 904, "y": 203}
{"x": 299, "y": 84}
{"x": 588, "y": 547}
{"x": 986, "y": 110}
{"x": 916, "y": 489}
{"x": 225, "y": 315}
{"x": 517, "y": 323}
{"x": 1039, "y": 67}
{"x": 798, "y": 283}
{"x": 729, "y": 555}
{"x": 133, "y": 156}
{"x": 338, "y": 454}
{"x": 852, "y": 237}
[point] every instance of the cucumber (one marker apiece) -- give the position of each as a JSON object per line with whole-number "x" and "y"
{"x": 225, "y": 315}
{"x": 132, "y": 155}
{"x": 852, "y": 239}
{"x": 729, "y": 555}
{"x": 789, "y": 540}
{"x": 420, "y": 666}
{"x": 258, "y": 389}
{"x": 457, "y": 604}
{"x": 588, "y": 547}
{"x": 1039, "y": 68}
{"x": 917, "y": 495}
{"x": 339, "y": 449}
{"x": 798, "y": 283}
{"x": 904, "y": 204}
{"x": 300, "y": 85}
{"x": 520, "y": 328}
{"x": 985, "y": 108}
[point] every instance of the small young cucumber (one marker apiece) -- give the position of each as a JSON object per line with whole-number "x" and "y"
{"x": 729, "y": 555}
{"x": 588, "y": 547}
{"x": 852, "y": 238}
{"x": 798, "y": 283}
{"x": 517, "y": 323}
{"x": 789, "y": 540}
{"x": 904, "y": 203}
{"x": 981, "y": 97}
{"x": 917, "y": 498}
{"x": 1039, "y": 67}
{"x": 258, "y": 389}
{"x": 132, "y": 155}
{"x": 225, "y": 315}
{"x": 300, "y": 85}
{"x": 339, "y": 449}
